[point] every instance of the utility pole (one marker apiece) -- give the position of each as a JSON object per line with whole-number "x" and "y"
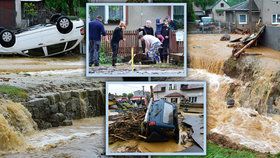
{"x": 251, "y": 16}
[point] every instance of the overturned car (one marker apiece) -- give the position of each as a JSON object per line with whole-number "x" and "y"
{"x": 161, "y": 121}
{"x": 58, "y": 36}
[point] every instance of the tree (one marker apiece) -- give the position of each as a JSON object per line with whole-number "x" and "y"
{"x": 129, "y": 96}
{"x": 124, "y": 95}
{"x": 69, "y": 7}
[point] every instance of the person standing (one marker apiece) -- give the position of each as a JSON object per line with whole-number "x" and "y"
{"x": 147, "y": 30}
{"x": 165, "y": 33}
{"x": 117, "y": 36}
{"x": 96, "y": 30}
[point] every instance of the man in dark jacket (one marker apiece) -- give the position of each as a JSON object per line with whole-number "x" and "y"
{"x": 117, "y": 36}
{"x": 165, "y": 45}
{"x": 96, "y": 30}
{"x": 147, "y": 30}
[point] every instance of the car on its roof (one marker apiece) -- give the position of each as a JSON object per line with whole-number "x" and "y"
{"x": 58, "y": 36}
{"x": 161, "y": 121}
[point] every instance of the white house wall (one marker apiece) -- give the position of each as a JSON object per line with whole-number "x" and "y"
{"x": 215, "y": 15}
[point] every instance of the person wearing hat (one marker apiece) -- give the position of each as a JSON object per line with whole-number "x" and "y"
{"x": 116, "y": 38}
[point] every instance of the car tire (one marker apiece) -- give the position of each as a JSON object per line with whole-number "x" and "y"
{"x": 7, "y": 38}
{"x": 54, "y": 18}
{"x": 64, "y": 25}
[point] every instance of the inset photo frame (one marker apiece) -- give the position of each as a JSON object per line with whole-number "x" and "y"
{"x": 155, "y": 118}
{"x": 136, "y": 40}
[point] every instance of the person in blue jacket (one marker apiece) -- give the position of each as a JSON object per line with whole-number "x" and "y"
{"x": 96, "y": 30}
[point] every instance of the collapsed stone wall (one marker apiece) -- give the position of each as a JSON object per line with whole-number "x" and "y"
{"x": 59, "y": 108}
{"x": 258, "y": 88}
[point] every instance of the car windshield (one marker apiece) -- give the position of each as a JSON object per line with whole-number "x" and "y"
{"x": 168, "y": 113}
{"x": 206, "y": 19}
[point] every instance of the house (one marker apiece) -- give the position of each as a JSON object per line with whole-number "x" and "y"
{"x": 269, "y": 11}
{"x": 217, "y": 10}
{"x": 238, "y": 14}
{"x": 176, "y": 92}
{"x": 14, "y": 9}
{"x": 134, "y": 16}
{"x": 198, "y": 11}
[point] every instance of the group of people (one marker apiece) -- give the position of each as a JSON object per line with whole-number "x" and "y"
{"x": 154, "y": 44}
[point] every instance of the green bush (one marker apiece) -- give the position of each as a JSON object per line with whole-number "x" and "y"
{"x": 105, "y": 58}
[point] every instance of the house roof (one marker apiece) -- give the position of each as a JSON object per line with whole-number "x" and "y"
{"x": 213, "y": 5}
{"x": 175, "y": 94}
{"x": 243, "y": 6}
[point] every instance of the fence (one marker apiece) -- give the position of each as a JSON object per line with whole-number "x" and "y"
{"x": 213, "y": 28}
{"x": 133, "y": 41}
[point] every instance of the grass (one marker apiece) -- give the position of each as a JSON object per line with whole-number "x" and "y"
{"x": 13, "y": 91}
{"x": 215, "y": 151}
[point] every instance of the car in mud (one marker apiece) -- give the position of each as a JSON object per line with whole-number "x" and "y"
{"x": 161, "y": 121}
{"x": 58, "y": 36}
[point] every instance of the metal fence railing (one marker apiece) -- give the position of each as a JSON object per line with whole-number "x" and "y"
{"x": 213, "y": 28}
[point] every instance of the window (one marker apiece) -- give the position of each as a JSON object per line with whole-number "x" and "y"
{"x": 168, "y": 113}
{"x": 276, "y": 19}
{"x": 174, "y": 100}
{"x": 242, "y": 19}
{"x": 163, "y": 89}
{"x": 112, "y": 14}
{"x": 172, "y": 86}
{"x": 193, "y": 99}
{"x": 222, "y": 5}
{"x": 177, "y": 14}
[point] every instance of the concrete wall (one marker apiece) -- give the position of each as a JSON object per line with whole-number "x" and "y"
{"x": 271, "y": 37}
{"x": 216, "y": 15}
{"x": 136, "y": 16}
{"x": 234, "y": 18}
{"x": 268, "y": 8}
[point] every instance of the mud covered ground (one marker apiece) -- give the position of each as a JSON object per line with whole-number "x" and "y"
{"x": 142, "y": 70}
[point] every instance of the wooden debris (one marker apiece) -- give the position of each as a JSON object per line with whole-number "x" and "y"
{"x": 127, "y": 126}
{"x": 236, "y": 40}
{"x": 246, "y": 43}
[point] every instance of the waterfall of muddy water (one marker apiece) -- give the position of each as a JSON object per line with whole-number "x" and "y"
{"x": 85, "y": 138}
{"x": 241, "y": 124}
{"x": 211, "y": 65}
{"x": 15, "y": 121}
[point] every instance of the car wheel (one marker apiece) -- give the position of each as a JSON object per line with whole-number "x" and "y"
{"x": 54, "y": 18}
{"x": 7, "y": 38}
{"x": 64, "y": 25}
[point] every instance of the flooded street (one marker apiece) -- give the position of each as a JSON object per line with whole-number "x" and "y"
{"x": 85, "y": 138}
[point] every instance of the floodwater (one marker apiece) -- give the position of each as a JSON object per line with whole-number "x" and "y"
{"x": 84, "y": 139}
{"x": 28, "y": 64}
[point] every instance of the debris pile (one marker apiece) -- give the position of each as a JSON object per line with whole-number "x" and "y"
{"x": 241, "y": 31}
{"x": 127, "y": 125}
{"x": 240, "y": 45}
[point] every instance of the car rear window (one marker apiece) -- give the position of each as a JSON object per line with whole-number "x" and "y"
{"x": 70, "y": 44}
{"x": 56, "y": 48}
{"x": 168, "y": 113}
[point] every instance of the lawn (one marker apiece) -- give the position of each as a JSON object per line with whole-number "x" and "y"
{"x": 13, "y": 92}
{"x": 215, "y": 151}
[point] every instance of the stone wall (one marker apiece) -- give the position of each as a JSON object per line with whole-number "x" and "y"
{"x": 59, "y": 108}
